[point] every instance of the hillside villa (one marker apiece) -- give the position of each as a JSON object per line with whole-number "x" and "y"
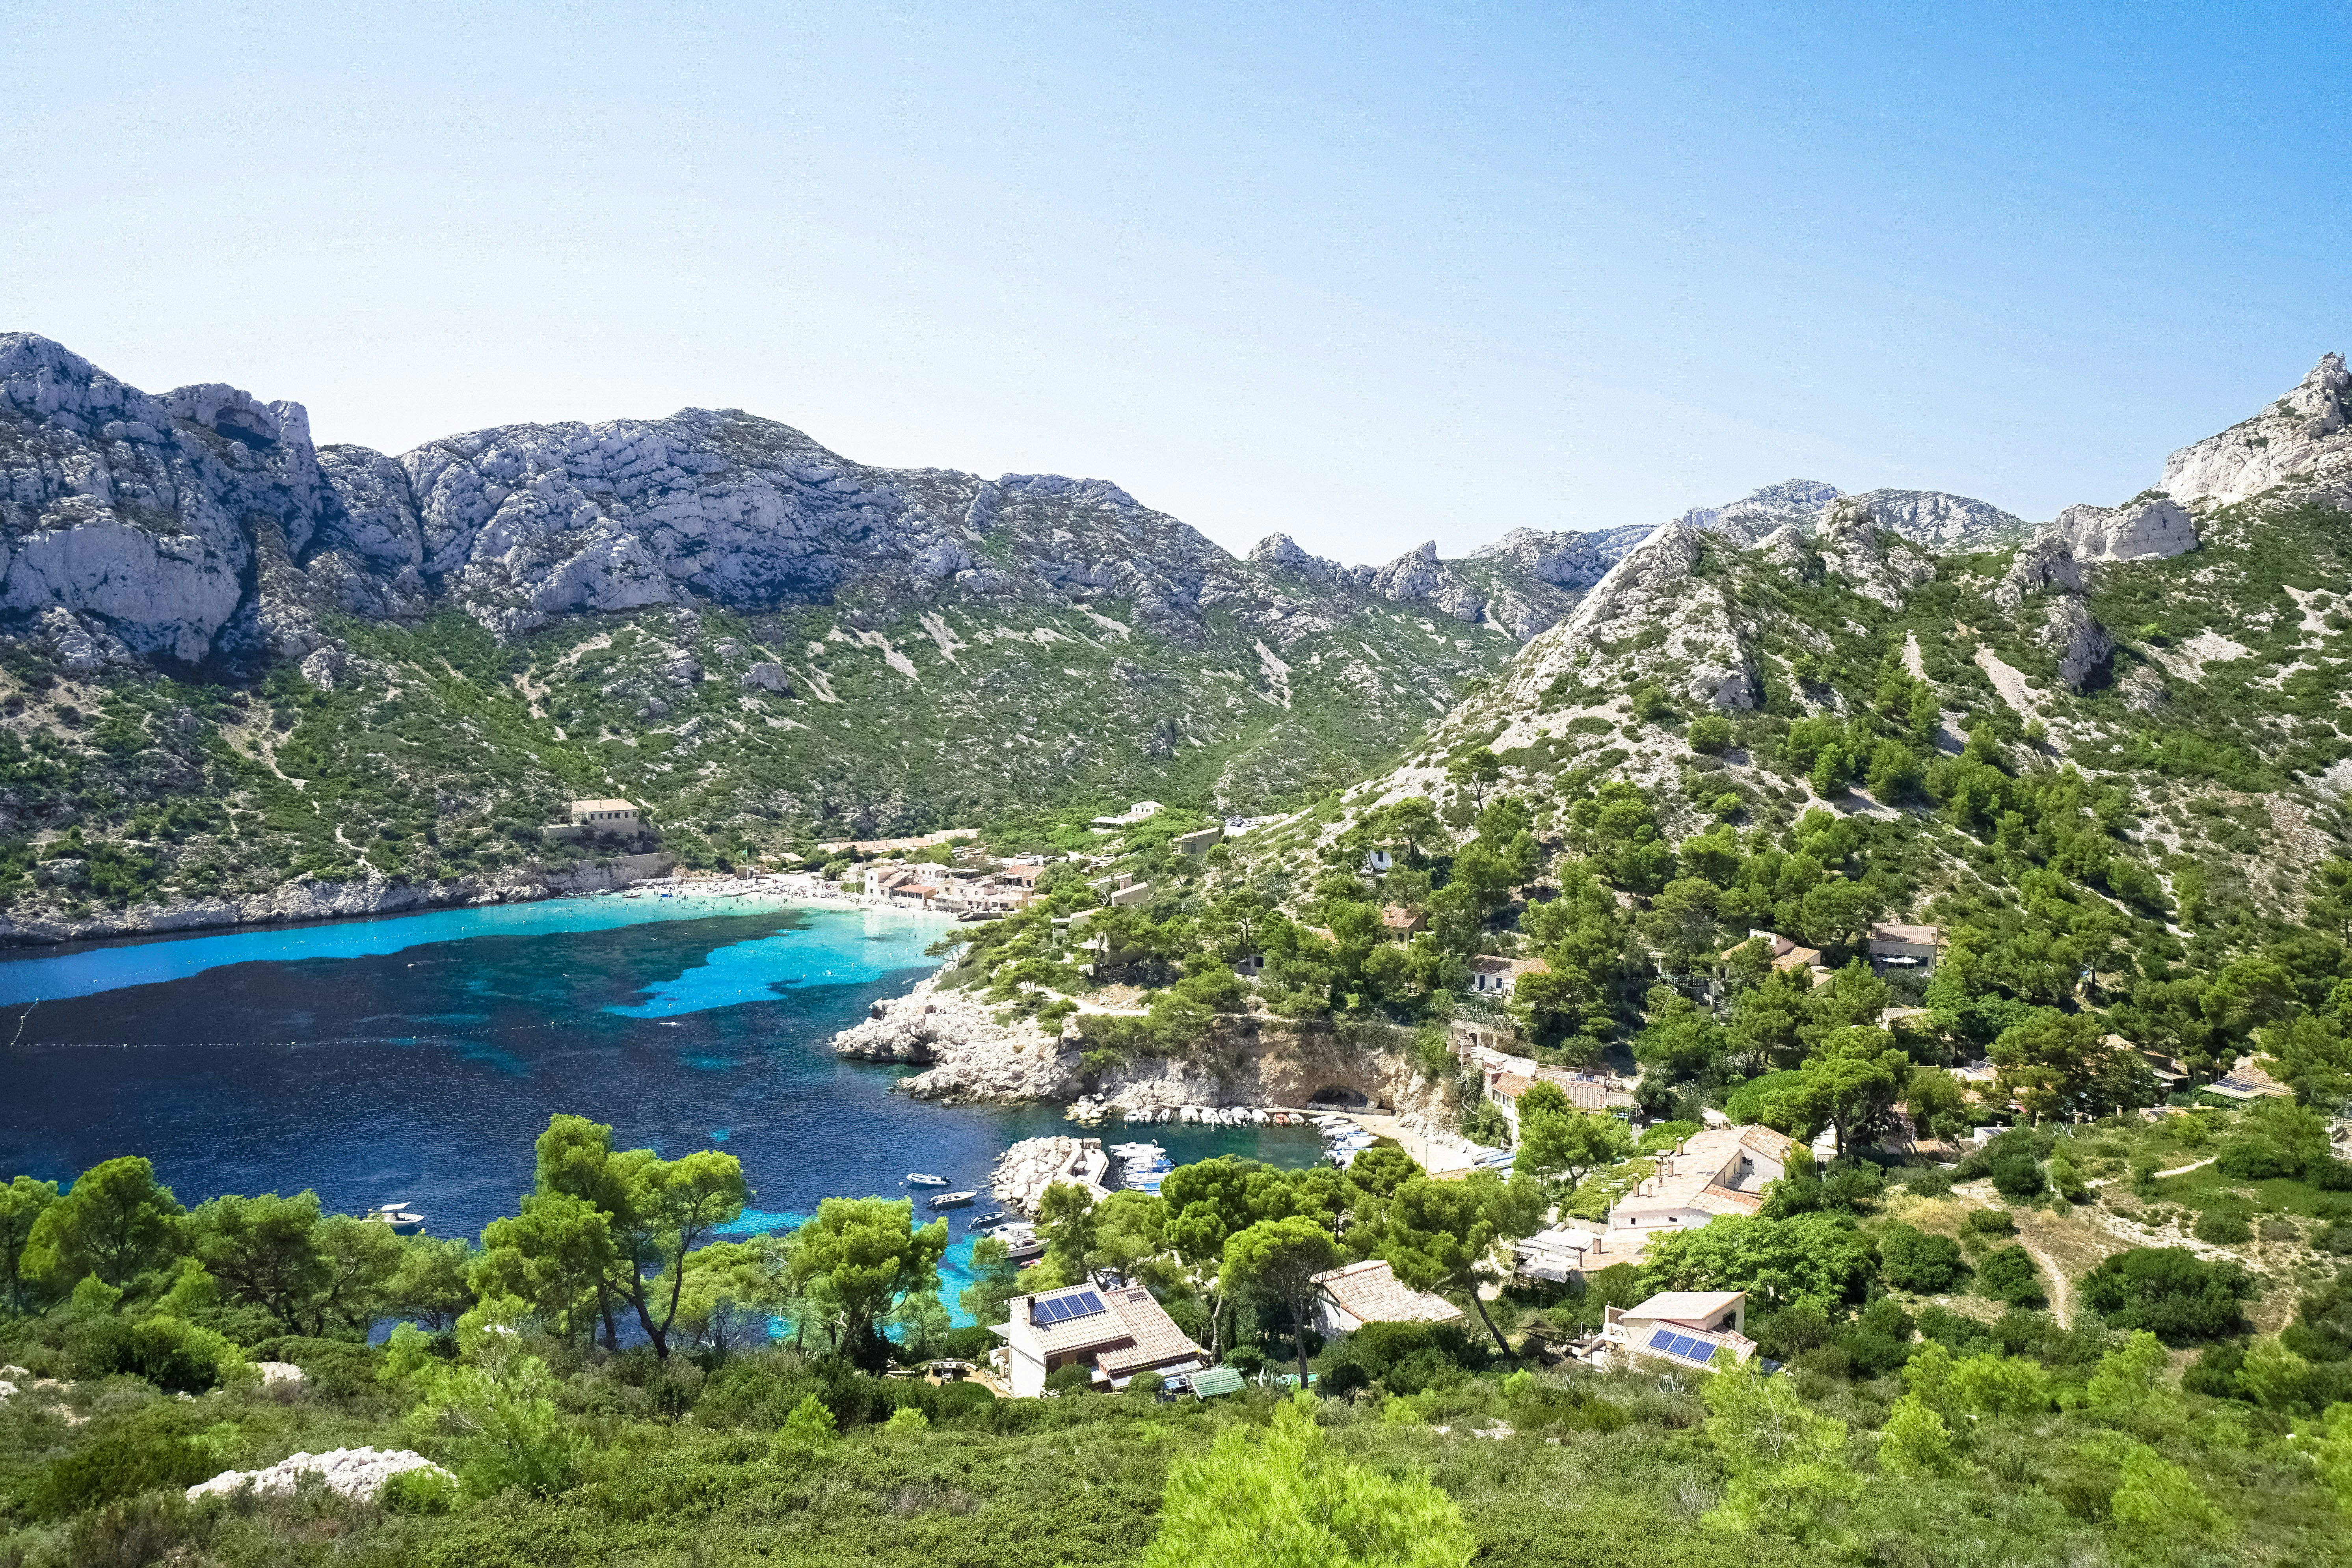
{"x": 1895, "y": 945}
{"x": 1504, "y": 1080}
{"x": 1686, "y": 1326}
{"x": 1716, "y": 1171}
{"x": 1114, "y": 1333}
{"x": 1786, "y": 955}
{"x": 607, "y": 816}
{"x": 1492, "y": 976}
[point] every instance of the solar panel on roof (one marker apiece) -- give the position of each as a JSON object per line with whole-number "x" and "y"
{"x": 1085, "y": 1304}
{"x": 1662, "y": 1339}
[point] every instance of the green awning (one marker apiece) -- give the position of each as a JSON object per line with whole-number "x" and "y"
{"x": 1216, "y": 1379}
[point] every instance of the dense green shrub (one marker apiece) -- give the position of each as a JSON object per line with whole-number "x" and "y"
{"x": 2009, "y": 1275}
{"x": 2222, "y": 1227}
{"x": 177, "y": 1357}
{"x": 141, "y": 1459}
{"x": 338, "y": 1368}
{"x": 2170, "y": 1292}
{"x": 2018, "y": 1177}
{"x": 2275, "y": 1138}
{"x": 1920, "y": 1261}
{"x": 1404, "y": 1357}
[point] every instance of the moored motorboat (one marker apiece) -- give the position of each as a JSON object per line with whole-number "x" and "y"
{"x": 397, "y": 1214}
{"x": 918, "y": 1179}
{"x": 953, "y": 1199}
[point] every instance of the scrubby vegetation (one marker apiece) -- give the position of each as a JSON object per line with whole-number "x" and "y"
{"x": 608, "y": 1383}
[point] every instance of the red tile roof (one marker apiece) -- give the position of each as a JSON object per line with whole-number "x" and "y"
{"x": 1370, "y": 1292}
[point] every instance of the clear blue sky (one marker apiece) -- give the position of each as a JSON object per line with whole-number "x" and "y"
{"x": 1367, "y": 274}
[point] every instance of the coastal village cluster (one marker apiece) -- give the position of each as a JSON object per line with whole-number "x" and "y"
{"x": 1118, "y": 1331}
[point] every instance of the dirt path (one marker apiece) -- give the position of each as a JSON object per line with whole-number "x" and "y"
{"x": 2062, "y": 1290}
{"x": 2176, "y": 1170}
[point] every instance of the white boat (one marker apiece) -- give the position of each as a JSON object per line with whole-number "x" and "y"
{"x": 917, "y": 1179}
{"x": 397, "y": 1214}
{"x": 953, "y": 1199}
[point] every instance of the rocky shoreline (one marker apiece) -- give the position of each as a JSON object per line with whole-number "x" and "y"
{"x": 305, "y": 901}
{"x": 968, "y": 1058}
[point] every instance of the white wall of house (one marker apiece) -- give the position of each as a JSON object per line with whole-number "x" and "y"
{"x": 1024, "y": 1373}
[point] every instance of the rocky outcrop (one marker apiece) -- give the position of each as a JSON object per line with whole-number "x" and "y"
{"x": 2304, "y": 439}
{"x": 1262, "y": 1062}
{"x": 1758, "y": 512}
{"x": 1785, "y": 549}
{"x": 1509, "y": 586}
{"x": 1651, "y": 616}
{"x": 1026, "y": 1170}
{"x": 766, "y": 675}
{"x": 1874, "y": 563}
{"x": 2047, "y": 561}
{"x": 1938, "y": 521}
{"x": 1943, "y": 522}
{"x": 970, "y": 1056}
{"x": 24, "y": 926}
{"x": 2075, "y": 638}
{"x": 1570, "y": 561}
{"x": 358, "y": 1473}
{"x": 2149, "y": 527}
{"x": 2047, "y": 567}
{"x": 1249, "y": 1061}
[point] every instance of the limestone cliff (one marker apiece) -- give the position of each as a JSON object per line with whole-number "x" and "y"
{"x": 2304, "y": 440}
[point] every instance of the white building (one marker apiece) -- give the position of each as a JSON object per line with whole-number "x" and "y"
{"x": 1718, "y": 1170}
{"x": 1685, "y": 1326}
{"x": 1116, "y": 1333}
{"x": 1492, "y": 976}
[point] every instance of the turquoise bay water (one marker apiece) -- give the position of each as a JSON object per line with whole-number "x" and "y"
{"x": 417, "y": 1056}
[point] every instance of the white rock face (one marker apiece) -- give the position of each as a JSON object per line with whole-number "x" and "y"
{"x": 203, "y": 524}
{"x": 1758, "y": 512}
{"x": 350, "y": 1472}
{"x": 2076, "y": 636}
{"x": 1459, "y": 590}
{"x": 2308, "y": 432}
{"x": 2151, "y": 527}
{"x": 1703, "y": 655}
{"x": 970, "y": 1056}
{"x": 2047, "y": 566}
{"x": 1946, "y": 523}
{"x": 1942, "y": 523}
{"x": 1852, "y": 548}
{"x": 1571, "y": 561}
{"x": 2046, "y": 562}
{"x": 766, "y": 675}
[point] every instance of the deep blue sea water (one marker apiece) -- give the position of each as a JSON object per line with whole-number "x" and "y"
{"x": 417, "y": 1056}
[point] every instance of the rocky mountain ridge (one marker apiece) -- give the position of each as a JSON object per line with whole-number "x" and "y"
{"x": 203, "y": 526}
{"x": 1946, "y": 523}
{"x": 1695, "y": 621}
